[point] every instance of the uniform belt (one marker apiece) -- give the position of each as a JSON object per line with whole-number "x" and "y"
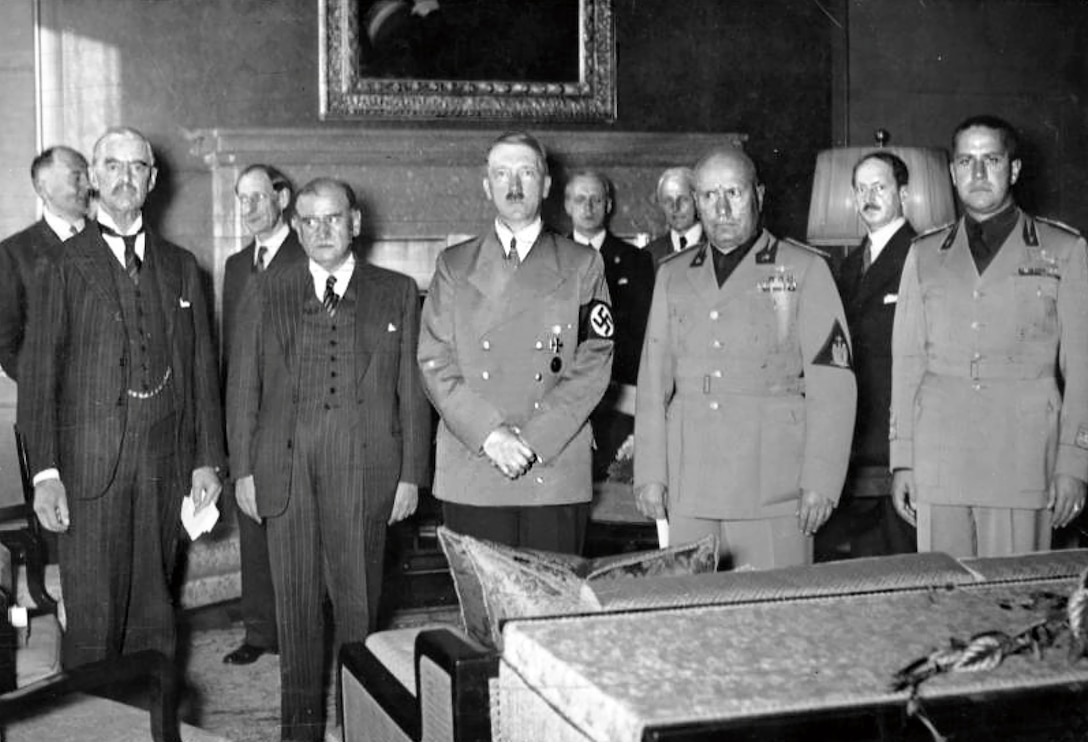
{"x": 158, "y": 388}
{"x": 755, "y": 386}
{"x": 983, "y": 369}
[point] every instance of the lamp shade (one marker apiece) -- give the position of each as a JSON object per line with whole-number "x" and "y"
{"x": 832, "y": 218}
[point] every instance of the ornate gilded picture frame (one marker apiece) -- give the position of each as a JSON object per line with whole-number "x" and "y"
{"x": 545, "y": 60}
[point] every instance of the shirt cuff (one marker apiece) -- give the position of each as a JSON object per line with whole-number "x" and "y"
{"x": 44, "y": 475}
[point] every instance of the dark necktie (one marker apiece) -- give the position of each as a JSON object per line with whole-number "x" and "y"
{"x": 262, "y": 255}
{"x": 512, "y": 256}
{"x": 132, "y": 260}
{"x": 866, "y": 255}
{"x": 330, "y": 299}
{"x": 683, "y": 242}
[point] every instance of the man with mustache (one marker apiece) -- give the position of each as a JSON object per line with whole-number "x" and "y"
{"x": 989, "y": 450}
{"x": 746, "y": 391}
{"x": 865, "y": 523}
{"x": 119, "y": 402}
{"x": 59, "y": 175}
{"x": 516, "y": 351}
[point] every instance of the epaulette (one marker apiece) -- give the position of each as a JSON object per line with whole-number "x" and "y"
{"x": 822, "y": 253}
{"x": 932, "y": 231}
{"x": 673, "y": 256}
{"x": 1058, "y": 225}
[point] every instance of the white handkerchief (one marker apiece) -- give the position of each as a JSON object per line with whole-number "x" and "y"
{"x": 662, "y": 533}
{"x": 197, "y": 524}
{"x": 622, "y": 282}
{"x": 391, "y": 328}
{"x": 891, "y": 298}
{"x": 183, "y": 303}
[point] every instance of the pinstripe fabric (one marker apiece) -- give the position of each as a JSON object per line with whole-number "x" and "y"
{"x": 77, "y": 417}
{"x": 325, "y": 463}
{"x": 258, "y": 598}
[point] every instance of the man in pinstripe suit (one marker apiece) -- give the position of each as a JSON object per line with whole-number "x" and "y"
{"x": 329, "y": 432}
{"x": 119, "y": 402}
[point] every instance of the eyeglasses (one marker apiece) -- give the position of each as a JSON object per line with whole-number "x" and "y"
{"x": 333, "y": 221}
{"x": 255, "y": 199}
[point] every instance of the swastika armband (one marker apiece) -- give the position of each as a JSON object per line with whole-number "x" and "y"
{"x": 835, "y": 351}
{"x": 595, "y": 321}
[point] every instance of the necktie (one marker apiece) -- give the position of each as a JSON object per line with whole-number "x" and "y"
{"x": 262, "y": 255}
{"x": 683, "y": 242}
{"x": 512, "y": 256}
{"x": 132, "y": 260}
{"x": 866, "y": 255}
{"x": 330, "y": 299}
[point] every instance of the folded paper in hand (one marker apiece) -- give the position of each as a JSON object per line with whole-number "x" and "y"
{"x": 197, "y": 524}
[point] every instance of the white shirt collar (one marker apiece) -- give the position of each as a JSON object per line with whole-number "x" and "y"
{"x": 879, "y": 238}
{"x": 272, "y": 245}
{"x": 595, "y": 241}
{"x": 693, "y": 235}
{"x": 61, "y": 226}
{"x": 343, "y": 277}
{"x": 116, "y": 244}
{"x": 526, "y": 236}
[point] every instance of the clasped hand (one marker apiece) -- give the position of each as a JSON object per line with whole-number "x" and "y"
{"x": 508, "y": 452}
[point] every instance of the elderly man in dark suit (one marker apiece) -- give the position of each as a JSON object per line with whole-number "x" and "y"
{"x": 329, "y": 432}
{"x": 264, "y": 195}
{"x": 121, "y": 410}
{"x": 865, "y": 523}
{"x": 59, "y": 175}
{"x": 629, "y": 272}
{"x": 675, "y": 196}
{"x": 516, "y": 351}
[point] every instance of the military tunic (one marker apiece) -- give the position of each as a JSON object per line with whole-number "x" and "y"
{"x": 530, "y": 348}
{"x": 976, "y": 408}
{"x": 745, "y": 392}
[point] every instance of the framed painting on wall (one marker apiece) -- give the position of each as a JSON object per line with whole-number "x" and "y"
{"x": 545, "y": 60}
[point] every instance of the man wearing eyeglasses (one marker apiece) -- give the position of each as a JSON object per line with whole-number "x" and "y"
{"x": 119, "y": 402}
{"x": 264, "y": 195}
{"x": 989, "y": 448}
{"x": 865, "y": 522}
{"x": 746, "y": 390}
{"x": 675, "y": 196}
{"x": 330, "y": 435}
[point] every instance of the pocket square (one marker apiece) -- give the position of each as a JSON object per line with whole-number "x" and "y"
{"x": 891, "y": 298}
{"x": 183, "y": 303}
{"x": 391, "y": 328}
{"x": 622, "y": 282}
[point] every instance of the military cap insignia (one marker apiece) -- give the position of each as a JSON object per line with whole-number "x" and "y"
{"x": 596, "y": 322}
{"x": 1082, "y": 437}
{"x": 835, "y": 351}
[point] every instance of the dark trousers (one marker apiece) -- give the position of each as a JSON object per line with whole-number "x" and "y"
{"x": 865, "y": 523}
{"x": 328, "y": 540}
{"x": 258, "y": 595}
{"x": 560, "y": 528}
{"x": 118, "y": 555}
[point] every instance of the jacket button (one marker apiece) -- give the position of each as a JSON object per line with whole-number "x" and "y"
{"x": 540, "y": 480}
{"x": 713, "y": 314}
{"x": 487, "y": 345}
{"x": 538, "y": 376}
{"x": 539, "y": 345}
{"x": 713, "y": 405}
{"x": 485, "y": 375}
{"x": 289, "y": 444}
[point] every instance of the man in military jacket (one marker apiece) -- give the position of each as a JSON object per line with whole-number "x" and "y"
{"x": 746, "y": 396}
{"x": 516, "y": 350}
{"x": 989, "y": 452}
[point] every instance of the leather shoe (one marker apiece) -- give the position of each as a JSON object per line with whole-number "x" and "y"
{"x": 246, "y": 654}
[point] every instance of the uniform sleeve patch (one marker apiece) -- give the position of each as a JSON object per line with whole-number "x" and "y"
{"x": 597, "y": 322}
{"x": 1082, "y": 437}
{"x": 835, "y": 351}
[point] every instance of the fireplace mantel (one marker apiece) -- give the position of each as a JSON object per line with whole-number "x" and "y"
{"x": 422, "y": 186}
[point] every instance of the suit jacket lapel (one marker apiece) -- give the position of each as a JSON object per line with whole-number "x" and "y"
{"x": 1009, "y": 256}
{"x": 883, "y": 275}
{"x": 168, "y": 276}
{"x": 369, "y": 301}
{"x": 94, "y": 259}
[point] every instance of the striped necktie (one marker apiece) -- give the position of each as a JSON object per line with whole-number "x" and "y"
{"x": 262, "y": 256}
{"x": 512, "y": 257}
{"x": 132, "y": 260}
{"x": 330, "y": 299}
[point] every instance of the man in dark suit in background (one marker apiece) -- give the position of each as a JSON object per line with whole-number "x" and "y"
{"x": 329, "y": 432}
{"x": 865, "y": 523}
{"x": 59, "y": 175}
{"x": 516, "y": 351}
{"x": 675, "y": 196}
{"x": 264, "y": 195}
{"x": 120, "y": 406}
{"x": 629, "y": 271}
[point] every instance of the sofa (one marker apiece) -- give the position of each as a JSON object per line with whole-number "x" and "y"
{"x": 433, "y": 683}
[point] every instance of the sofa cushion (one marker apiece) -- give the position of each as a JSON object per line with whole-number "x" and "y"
{"x": 496, "y": 582}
